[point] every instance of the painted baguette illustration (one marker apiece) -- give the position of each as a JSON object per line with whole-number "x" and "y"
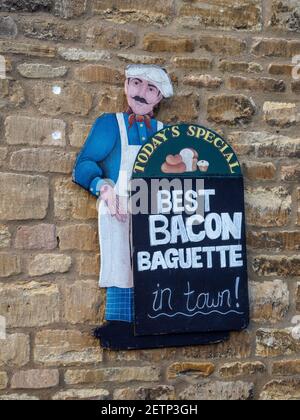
{"x": 185, "y": 161}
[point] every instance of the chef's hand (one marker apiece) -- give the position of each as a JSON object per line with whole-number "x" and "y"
{"x": 112, "y": 201}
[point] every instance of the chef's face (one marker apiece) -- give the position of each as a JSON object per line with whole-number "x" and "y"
{"x": 142, "y": 96}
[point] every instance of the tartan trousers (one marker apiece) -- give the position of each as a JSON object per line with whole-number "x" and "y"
{"x": 119, "y": 304}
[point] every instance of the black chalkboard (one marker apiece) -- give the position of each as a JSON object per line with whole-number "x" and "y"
{"x": 190, "y": 265}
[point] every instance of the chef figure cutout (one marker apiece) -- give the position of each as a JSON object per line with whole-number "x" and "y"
{"x": 104, "y": 168}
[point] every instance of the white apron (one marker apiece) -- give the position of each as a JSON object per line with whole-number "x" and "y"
{"x": 114, "y": 236}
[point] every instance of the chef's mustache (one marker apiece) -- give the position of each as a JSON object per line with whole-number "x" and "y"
{"x": 140, "y": 99}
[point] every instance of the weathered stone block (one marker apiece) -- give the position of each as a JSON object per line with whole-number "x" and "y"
{"x": 97, "y": 73}
{"x": 72, "y": 202}
{"x": 148, "y": 356}
{"x": 32, "y": 50}
{"x": 238, "y": 347}
{"x": 276, "y": 342}
{"x": 25, "y": 5}
{"x": 161, "y": 392}
{"x": 82, "y": 301}
{"x": 35, "y": 131}
{"x": 147, "y": 11}
{"x": 50, "y": 29}
{"x": 88, "y": 265}
{"x": 30, "y": 304}
{"x": 141, "y": 59}
{"x": 49, "y": 263}
{"x": 3, "y": 380}
{"x": 240, "y": 67}
{"x": 290, "y": 173}
{"x": 190, "y": 369}
{"x": 278, "y": 69}
{"x": 9, "y": 265}
{"x": 225, "y": 15}
{"x": 186, "y": 62}
{"x": 284, "y": 15}
{"x": 171, "y": 354}
{"x": 81, "y": 394}
{"x": 110, "y": 37}
{"x": 265, "y": 145}
{"x": 66, "y": 347}
{"x": 235, "y": 369}
{"x": 230, "y": 109}
{"x": 162, "y": 43}
{"x": 82, "y": 55}
{"x": 225, "y": 45}
{"x": 285, "y": 389}
{"x": 41, "y": 237}
{"x": 269, "y": 301}
{"x": 277, "y": 266}
{"x": 286, "y": 368}
{"x": 8, "y": 64}
{"x": 18, "y": 397}
{"x": 8, "y": 27}
{"x": 69, "y": 8}
{"x": 112, "y": 99}
{"x": 12, "y": 94}
{"x": 3, "y": 154}
{"x": 57, "y": 98}
{"x": 255, "y": 171}
{"x": 263, "y": 84}
{"x": 42, "y": 160}
{"x": 113, "y": 374}
{"x": 280, "y": 114}
{"x": 35, "y": 379}
{"x": 296, "y": 85}
{"x": 278, "y": 241}
{"x": 203, "y": 81}
{"x": 275, "y": 47}
{"x": 15, "y": 350}
{"x": 5, "y": 236}
{"x": 79, "y": 237}
{"x": 268, "y": 207}
{"x": 222, "y": 391}
{"x": 183, "y": 108}
{"x": 40, "y": 71}
{"x": 23, "y": 196}
{"x": 79, "y": 134}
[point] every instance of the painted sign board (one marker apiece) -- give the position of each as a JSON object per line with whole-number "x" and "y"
{"x": 188, "y": 234}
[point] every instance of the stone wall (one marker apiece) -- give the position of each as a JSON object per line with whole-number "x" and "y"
{"x": 233, "y": 64}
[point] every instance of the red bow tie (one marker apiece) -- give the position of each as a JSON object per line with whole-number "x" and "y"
{"x": 139, "y": 118}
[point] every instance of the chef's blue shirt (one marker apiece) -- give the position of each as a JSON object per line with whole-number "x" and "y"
{"x": 100, "y": 157}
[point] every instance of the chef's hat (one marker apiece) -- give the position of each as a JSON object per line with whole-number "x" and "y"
{"x": 154, "y": 74}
